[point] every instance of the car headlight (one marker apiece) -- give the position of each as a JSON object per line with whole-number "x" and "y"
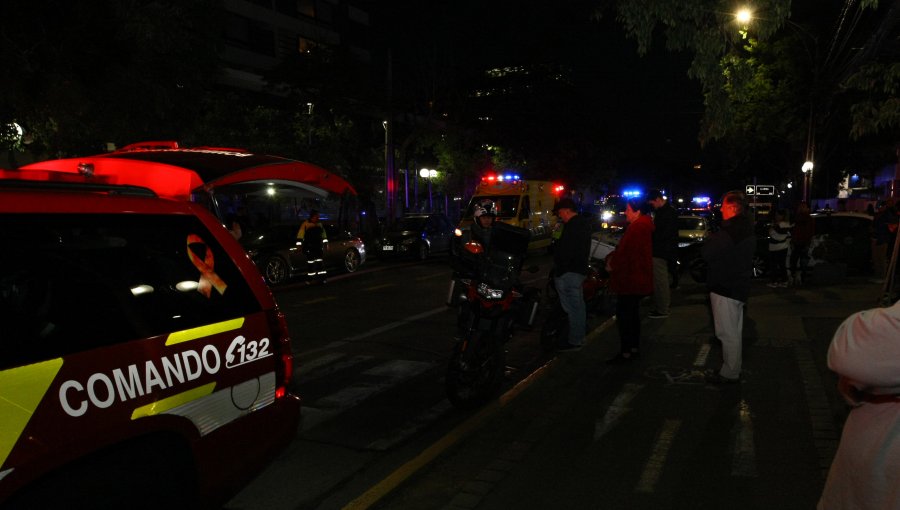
{"x": 606, "y": 215}
{"x": 489, "y": 293}
{"x": 683, "y": 244}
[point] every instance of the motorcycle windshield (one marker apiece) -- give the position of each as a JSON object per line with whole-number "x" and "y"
{"x": 508, "y": 248}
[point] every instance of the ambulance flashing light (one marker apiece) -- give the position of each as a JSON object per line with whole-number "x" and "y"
{"x": 515, "y": 178}
{"x": 501, "y": 177}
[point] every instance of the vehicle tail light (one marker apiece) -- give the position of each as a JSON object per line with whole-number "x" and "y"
{"x": 284, "y": 369}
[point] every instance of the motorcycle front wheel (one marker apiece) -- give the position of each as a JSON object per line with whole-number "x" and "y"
{"x": 475, "y": 371}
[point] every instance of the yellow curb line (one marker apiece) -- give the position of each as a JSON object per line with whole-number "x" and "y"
{"x": 401, "y": 474}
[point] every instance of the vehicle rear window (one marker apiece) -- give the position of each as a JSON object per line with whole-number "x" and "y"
{"x": 74, "y": 282}
{"x": 505, "y": 206}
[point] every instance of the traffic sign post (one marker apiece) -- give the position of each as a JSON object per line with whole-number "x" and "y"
{"x": 759, "y": 189}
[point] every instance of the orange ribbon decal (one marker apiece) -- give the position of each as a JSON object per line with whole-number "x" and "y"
{"x": 208, "y": 278}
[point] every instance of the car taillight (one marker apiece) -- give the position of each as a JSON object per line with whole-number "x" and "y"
{"x": 284, "y": 370}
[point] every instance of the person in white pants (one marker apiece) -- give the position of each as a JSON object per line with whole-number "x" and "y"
{"x": 729, "y": 253}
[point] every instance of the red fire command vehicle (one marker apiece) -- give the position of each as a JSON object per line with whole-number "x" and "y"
{"x": 145, "y": 363}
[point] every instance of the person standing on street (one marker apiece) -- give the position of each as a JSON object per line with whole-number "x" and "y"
{"x": 570, "y": 267}
{"x": 884, "y": 226}
{"x": 779, "y": 242}
{"x": 801, "y": 237}
{"x": 314, "y": 243}
{"x": 729, "y": 254}
{"x": 865, "y": 472}
{"x": 665, "y": 249}
{"x": 630, "y": 268}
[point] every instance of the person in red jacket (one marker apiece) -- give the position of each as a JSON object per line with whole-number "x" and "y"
{"x": 631, "y": 277}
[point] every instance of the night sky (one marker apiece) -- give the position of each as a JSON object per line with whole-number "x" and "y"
{"x": 643, "y": 110}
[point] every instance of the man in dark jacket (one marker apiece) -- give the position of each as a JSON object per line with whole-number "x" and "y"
{"x": 729, "y": 253}
{"x": 570, "y": 266}
{"x": 665, "y": 249}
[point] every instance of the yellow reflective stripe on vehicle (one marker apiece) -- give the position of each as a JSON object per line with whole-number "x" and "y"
{"x": 21, "y": 391}
{"x": 161, "y": 406}
{"x": 187, "y": 335}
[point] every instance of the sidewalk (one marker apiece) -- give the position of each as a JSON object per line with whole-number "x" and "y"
{"x": 653, "y": 434}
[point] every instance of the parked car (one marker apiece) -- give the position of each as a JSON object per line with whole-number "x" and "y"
{"x": 692, "y": 229}
{"x": 418, "y": 235}
{"x": 692, "y": 232}
{"x": 144, "y": 362}
{"x": 276, "y": 251}
{"x": 843, "y": 238}
{"x": 840, "y": 238}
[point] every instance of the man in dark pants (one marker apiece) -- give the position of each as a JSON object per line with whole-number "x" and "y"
{"x": 570, "y": 267}
{"x": 729, "y": 253}
{"x": 665, "y": 249}
{"x": 314, "y": 243}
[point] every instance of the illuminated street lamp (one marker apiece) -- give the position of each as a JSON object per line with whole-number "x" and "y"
{"x": 807, "y": 169}
{"x": 744, "y": 16}
{"x": 429, "y": 175}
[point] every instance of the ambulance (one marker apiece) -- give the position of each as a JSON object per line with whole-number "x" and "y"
{"x": 519, "y": 202}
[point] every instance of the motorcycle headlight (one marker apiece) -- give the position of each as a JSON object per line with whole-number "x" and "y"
{"x": 489, "y": 293}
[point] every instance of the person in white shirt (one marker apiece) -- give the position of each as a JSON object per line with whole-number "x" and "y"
{"x": 865, "y": 353}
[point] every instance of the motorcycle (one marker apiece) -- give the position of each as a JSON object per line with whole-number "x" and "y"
{"x": 490, "y": 304}
{"x": 596, "y": 294}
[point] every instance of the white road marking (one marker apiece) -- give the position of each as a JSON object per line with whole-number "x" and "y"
{"x": 305, "y": 367}
{"x": 616, "y": 410}
{"x": 397, "y": 324}
{"x": 391, "y": 373}
{"x": 429, "y": 277}
{"x": 325, "y": 369}
{"x": 702, "y": 355}
{"x": 657, "y": 461}
{"x": 743, "y": 459}
{"x": 411, "y": 426}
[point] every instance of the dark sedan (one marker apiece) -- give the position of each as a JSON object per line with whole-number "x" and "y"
{"x": 418, "y": 235}
{"x": 276, "y": 252}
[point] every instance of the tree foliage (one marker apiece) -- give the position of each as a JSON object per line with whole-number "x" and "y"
{"x": 83, "y": 73}
{"x": 774, "y": 88}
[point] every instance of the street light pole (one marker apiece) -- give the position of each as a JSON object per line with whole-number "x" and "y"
{"x": 744, "y": 16}
{"x": 429, "y": 175}
{"x": 807, "y": 170}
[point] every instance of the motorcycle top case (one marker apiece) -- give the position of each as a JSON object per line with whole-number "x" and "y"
{"x": 509, "y": 244}
{"x": 510, "y": 239}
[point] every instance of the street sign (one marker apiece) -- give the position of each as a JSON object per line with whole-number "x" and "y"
{"x": 750, "y": 189}
{"x": 765, "y": 189}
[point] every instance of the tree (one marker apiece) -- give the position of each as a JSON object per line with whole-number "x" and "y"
{"x": 773, "y": 86}
{"x": 86, "y": 73}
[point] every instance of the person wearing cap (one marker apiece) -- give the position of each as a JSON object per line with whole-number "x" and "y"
{"x": 570, "y": 267}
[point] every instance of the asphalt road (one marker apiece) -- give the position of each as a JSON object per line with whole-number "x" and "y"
{"x": 370, "y": 350}
{"x": 569, "y": 431}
